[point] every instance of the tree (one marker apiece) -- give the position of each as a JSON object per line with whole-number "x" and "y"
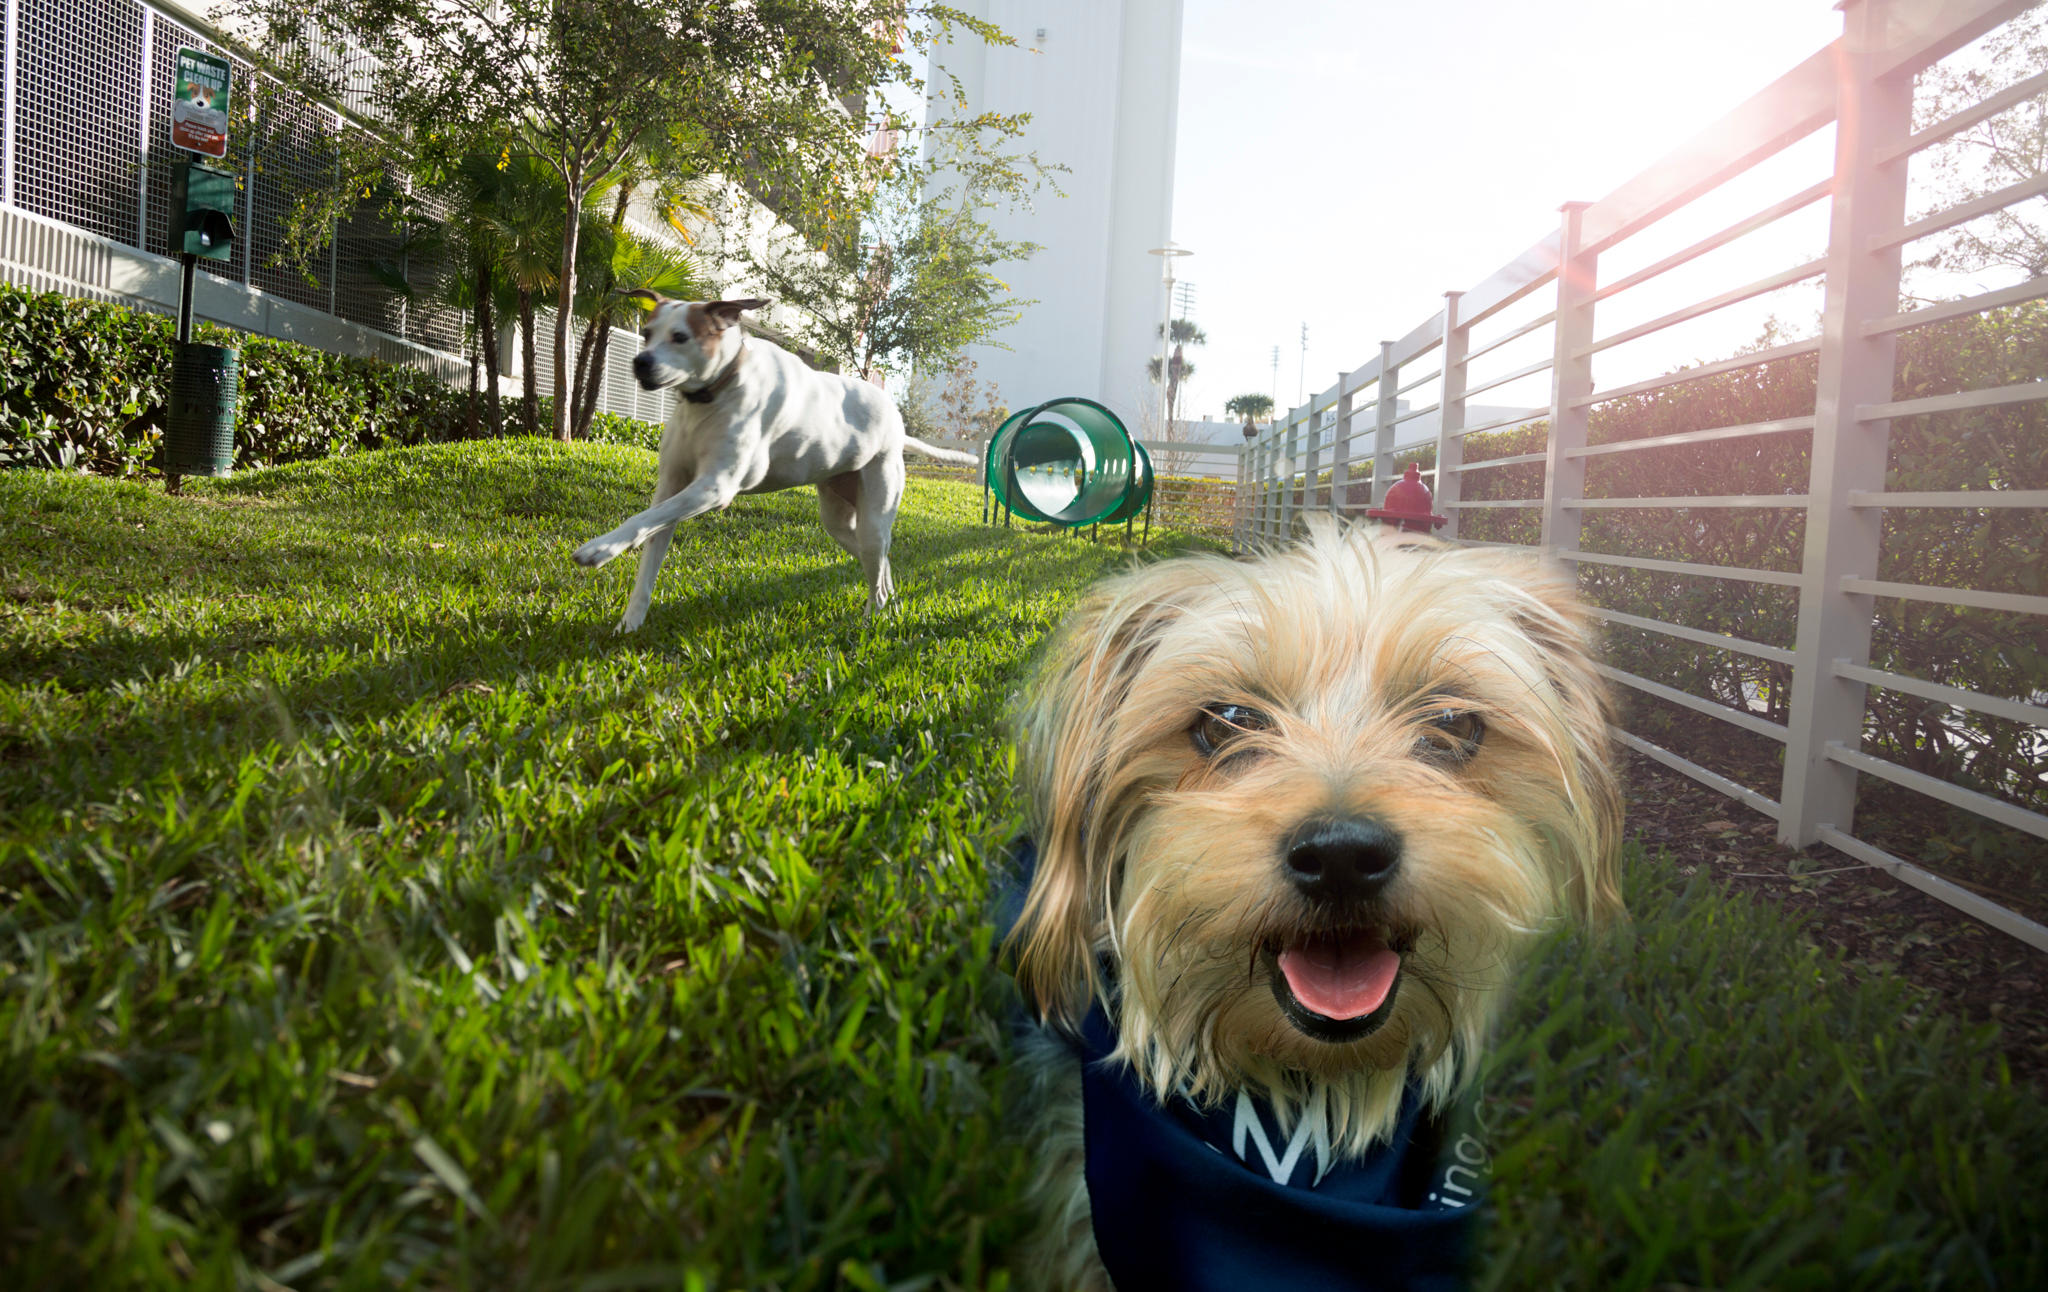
{"x": 1185, "y": 334}
{"x": 916, "y": 288}
{"x": 628, "y": 263}
{"x": 519, "y": 220}
{"x": 967, "y": 407}
{"x": 1253, "y": 407}
{"x": 582, "y": 85}
{"x": 2005, "y": 149}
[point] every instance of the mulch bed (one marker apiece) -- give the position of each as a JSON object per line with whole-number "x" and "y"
{"x": 1874, "y": 923}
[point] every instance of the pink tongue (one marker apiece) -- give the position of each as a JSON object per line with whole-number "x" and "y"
{"x": 1341, "y": 977}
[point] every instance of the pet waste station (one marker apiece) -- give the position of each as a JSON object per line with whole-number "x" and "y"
{"x": 1067, "y": 462}
{"x": 199, "y": 424}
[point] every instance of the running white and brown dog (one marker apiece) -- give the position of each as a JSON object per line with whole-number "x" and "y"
{"x": 1294, "y": 822}
{"x": 754, "y": 418}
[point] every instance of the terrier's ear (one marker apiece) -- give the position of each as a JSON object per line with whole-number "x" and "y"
{"x": 1554, "y": 617}
{"x": 648, "y": 300}
{"x": 1068, "y": 753}
{"x": 728, "y": 312}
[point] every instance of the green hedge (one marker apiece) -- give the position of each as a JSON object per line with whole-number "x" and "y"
{"x": 83, "y": 387}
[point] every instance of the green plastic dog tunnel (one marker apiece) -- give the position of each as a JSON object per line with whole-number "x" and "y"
{"x": 1068, "y": 462}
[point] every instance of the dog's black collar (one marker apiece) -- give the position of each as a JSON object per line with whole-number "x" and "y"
{"x": 707, "y": 392}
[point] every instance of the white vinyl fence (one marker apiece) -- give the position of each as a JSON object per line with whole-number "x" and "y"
{"x": 1811, "y": 696}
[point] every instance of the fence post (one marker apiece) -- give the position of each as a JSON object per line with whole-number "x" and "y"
{"x": 142, "y": 130}
{"x": 1284, "y": 474}
{"x": 248, "y": 240}
{"x": 1571, "y": 380}
{"x": 10, "y": 89}
{"x": 1383, "y": 425}
{"x": 1450, "y": 422}
{"x": 1240, "y": 511}
{"x": 1314, "y": 464}
{"x": 1274, "y": 459}
{"x": 1258, "y": 487}
{"x": 334, "y": 247}
{"x": 1340, "y": 448}
{"x": 1269, "y": 501}
{"x": 1849, "y": 454}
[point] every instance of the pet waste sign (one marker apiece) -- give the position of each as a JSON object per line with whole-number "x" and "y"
{"x": 199, "y": 108}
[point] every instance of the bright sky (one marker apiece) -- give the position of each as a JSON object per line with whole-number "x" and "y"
{"x": 1344, "y": 162}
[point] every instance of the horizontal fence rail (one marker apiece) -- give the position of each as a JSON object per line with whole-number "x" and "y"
{"x": 1792, "y": 650}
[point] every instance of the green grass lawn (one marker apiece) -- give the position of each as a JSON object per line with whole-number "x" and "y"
{"x": 370, "y": 917}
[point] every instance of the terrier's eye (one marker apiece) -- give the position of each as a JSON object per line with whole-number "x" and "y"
{"x": 679, "y": 337}
{"x": 1219, "y": 724}
{"x": 1450, "y": 736}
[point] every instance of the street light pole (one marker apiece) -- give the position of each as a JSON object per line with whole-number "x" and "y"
{"x": 1166, "y": 256}
{"x": 1301, "y": 396}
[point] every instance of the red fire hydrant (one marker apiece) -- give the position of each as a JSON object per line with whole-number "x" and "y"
{"x": 1407, "y": 505}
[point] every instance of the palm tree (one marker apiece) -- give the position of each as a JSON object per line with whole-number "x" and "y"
{"x": 468, "y": 186}
{"x": 521, "y": 222}
{"x": 1185, "y": 334}
{"x": 633, "y": 264}
{"x": 1253, "y": 407}
{"x": 620, "y": 261}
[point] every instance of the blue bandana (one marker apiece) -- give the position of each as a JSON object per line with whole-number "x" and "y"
{"x": 1187, "y": 1199}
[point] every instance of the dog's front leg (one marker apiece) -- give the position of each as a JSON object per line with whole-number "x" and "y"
{"x": 673, "y": 479}
{"x": 651, "y": 557}
{"x": 705, "y": 493}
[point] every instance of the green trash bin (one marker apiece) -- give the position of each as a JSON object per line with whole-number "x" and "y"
{"x": 199, "y": 428}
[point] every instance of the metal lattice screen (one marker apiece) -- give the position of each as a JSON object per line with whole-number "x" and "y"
{"x": 92, "y": 84}
{"x": 289, "y": 152}
{"x": 78, "y": 114}
{"x": 91, "y": 88}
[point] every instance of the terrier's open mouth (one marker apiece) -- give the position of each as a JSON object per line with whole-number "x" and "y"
{"x": 1339, "y": 985}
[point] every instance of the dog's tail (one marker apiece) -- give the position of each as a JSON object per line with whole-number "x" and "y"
{"x": 916, "y": 445}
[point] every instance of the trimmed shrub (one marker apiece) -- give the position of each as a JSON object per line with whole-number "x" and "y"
{"x": 83, "y": 387}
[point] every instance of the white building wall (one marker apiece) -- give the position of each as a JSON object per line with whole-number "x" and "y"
{"x": 1102, "y": 85}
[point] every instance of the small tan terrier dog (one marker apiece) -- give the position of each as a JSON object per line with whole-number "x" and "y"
{"x": 1294, "y": 822}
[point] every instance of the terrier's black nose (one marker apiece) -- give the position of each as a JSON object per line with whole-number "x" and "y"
{"x": 1342, "y": 860}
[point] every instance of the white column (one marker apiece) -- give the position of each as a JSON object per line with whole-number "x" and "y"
{"x": 1450, "y": 423}
{"x": 1848, "y": 454}
{"x": 1288, "y": 451}
{"x": 1313, "y": 467}
{"x": 1571, "y": 380}
{"x": 142, "y": 132}
{"x": 10, "y": 41}
{"x": 1383, "y": 426}
{"x": 1340, "y": 450}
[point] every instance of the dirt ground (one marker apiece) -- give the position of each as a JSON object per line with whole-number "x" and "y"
{"x": 1876, "y": 924}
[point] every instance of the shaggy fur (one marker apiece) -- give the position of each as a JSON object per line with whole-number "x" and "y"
{"x": 1356, "y": 651}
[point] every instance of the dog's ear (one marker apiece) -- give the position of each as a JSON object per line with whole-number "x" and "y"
{"x": 1069, "y": 753}
{"x": 648, "y": 300}
{"x": 1554, "y": 617}
{"x": 728, "y": 313}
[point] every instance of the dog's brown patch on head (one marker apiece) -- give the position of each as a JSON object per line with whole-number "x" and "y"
{"x": 703, "y": 325}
